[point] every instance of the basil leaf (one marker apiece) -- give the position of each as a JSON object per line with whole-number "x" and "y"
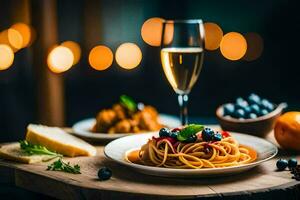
{"x": 128, "y": 103}
{"x": 188, "y": 131}
{"x": 181, "y": 138}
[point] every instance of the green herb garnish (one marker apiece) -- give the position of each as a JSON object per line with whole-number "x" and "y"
{"x": 188, "y": 131}
{"x": 60, "y": 165}
{"x": 128, "y": 103}
{"x": 33, "y": 149}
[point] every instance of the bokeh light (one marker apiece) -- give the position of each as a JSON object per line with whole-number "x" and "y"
{"x": 151, "y": 31}
{"x": 101, "y": 57}
{"x": 213, "y": 36}
{"x": 128, "y": 55}
{"x": 233, "y": 46}
{"x": 255, "y": 46}
{"x": 75, "y": 48}
{"x": 4, "y": 38}
{"x": 25, "y": 32}
{"x": 6, "y": 56}
{"x": 60, "y": 59}
{"x": 168, "y": 33}
{"x": 15, "y": 38}
{"x": 18, "y": 36}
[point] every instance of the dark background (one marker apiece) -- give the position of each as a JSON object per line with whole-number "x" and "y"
{"x": 111, "y": 22}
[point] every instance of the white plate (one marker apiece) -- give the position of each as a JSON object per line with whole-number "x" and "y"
{"x": 117, "y": 149}
{"x": 82, "y": 128}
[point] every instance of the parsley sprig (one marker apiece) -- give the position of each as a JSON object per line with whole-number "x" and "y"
{"x": 60, "y": 165}
{"x": 33, "y": 149}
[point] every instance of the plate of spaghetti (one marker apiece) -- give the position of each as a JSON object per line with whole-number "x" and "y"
{"x": 190, "y": 151}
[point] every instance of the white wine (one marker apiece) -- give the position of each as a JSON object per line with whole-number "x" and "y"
{"x": 182, "y": 67}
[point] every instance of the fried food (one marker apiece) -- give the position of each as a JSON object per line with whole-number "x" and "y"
{"x": 120, "y": 119}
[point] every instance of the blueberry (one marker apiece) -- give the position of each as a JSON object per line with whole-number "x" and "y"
{"x": 255, "y": 109}
{"x": 252, "y": 116}
{"x": 281, "y": 164}
{"x": 247, "y": 110}
{"x": 239, "y": 99}
{"x": 104, "y": 173}
{"x": 267, "y": 105}
{"x": 174, "y": 134}
{"x": 191, "y": 139}
{"x": 164, "y": 132}
{"x": 228, "y": 109}
{"x": 207, "y": 134}
{"x": 254, "y": 99}
{"x": 217, "y": 136}
{"x": 241, "y": 104}
{"x": 292, "y": 163}
{"x": 239, "y": 113}
{"x": 263, "y": 112}
{"x": 270, "y": 107}
{"x": 265, "y": 102}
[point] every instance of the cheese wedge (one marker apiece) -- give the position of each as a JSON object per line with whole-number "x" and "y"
{"x": 13, "y": 152}
{"x": 58, "y": 140}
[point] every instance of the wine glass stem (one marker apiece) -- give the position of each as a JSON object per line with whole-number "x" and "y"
{"x": 183, "y": 102}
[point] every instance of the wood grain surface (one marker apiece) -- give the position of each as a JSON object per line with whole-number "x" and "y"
{"x": 126, "y": 183}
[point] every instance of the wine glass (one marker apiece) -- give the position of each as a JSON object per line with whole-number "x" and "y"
{"x": 182, "y": 49}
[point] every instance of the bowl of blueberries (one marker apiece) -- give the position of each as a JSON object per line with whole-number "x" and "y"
{"x": 253, "y": 115}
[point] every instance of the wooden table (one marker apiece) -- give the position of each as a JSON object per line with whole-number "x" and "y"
{"x": 263, "y": 181}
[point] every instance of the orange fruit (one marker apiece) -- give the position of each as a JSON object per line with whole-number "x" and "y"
{"x": 287, "y": 131}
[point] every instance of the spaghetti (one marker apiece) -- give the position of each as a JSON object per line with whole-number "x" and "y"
{"x": 169, "y": 153}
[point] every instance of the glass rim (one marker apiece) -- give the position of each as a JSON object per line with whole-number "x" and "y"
{"x": 184, "y": 21}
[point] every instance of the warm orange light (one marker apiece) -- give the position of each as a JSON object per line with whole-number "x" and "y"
{"x": 101, "y": 57}
{"x": 6, "y": 56}
{"x": 233, "y": 46}
{"x": 213, "y": 36}
{"x": 75, "y": 48}
{"x": 255, "y": 46}
{"x": 4, "y": 37}
{"x": 168, "y": 34}
{"x": 151, "y": 31}
{"x": 60, "y": 59}
{"x": 128, "y": 55}
{"x": 15, "y": 38}
{"x": 25, "y": 32}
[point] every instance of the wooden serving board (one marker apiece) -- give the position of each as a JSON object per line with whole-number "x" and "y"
{"x": 128, "y": 184}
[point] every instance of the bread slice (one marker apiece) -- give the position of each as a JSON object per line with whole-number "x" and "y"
{"x": 56, "y": 139}
{"x": 13, "y": 152}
